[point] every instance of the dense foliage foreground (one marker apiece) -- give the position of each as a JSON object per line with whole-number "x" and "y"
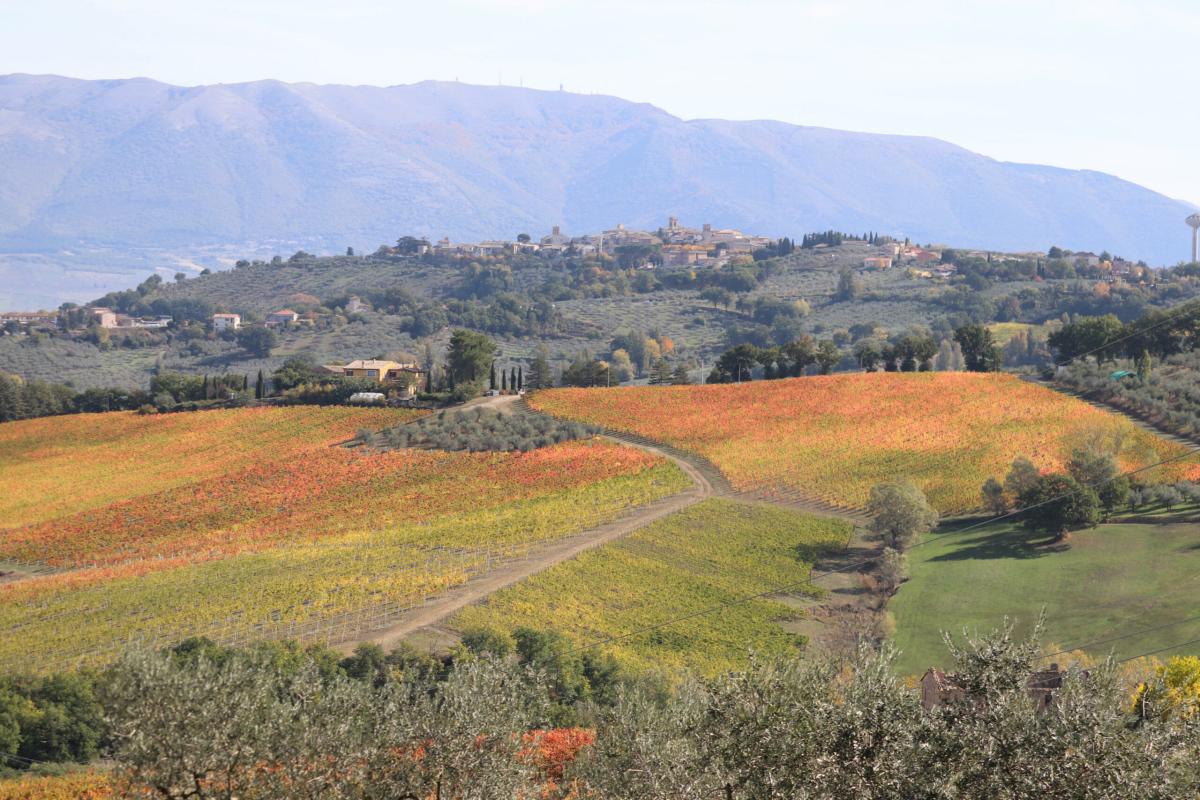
{"x": 211, "y": 723}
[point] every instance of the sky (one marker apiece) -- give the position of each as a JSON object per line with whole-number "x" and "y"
{"x": 1092, "y": 84}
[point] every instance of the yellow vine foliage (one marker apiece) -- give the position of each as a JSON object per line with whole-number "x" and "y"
{"x": 77, "y": 786}
{"x": 834, "y": 437}
{"x": 288, "y": 535}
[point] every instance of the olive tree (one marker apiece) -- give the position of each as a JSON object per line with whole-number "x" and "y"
{"x": 900, "y": 513}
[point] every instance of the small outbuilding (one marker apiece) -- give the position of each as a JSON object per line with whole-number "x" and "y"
{"x": 368, "y": 398}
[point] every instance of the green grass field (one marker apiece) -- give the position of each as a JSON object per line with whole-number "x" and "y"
{"x": 1111, "y": 581}
{"x": 1003, "y": 332}
{"x": 711, "y": 553}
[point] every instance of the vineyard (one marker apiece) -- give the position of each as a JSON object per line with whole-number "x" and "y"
{"x": 77, "y": 786}
{"x": 325, "y": 493}
{"x": 322, "y": 546}
{"x": 711, "y": 553}
{"x": 833, "y": 437}
{"x": 56, "y": 466}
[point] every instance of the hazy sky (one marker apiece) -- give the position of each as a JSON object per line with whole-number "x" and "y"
{"x": 1098, "y": 84}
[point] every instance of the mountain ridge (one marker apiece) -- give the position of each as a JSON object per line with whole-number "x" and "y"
{"x": 138, "y": 164}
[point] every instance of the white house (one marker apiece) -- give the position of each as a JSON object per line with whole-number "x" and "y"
{"x": 283, "y": 317}
{"x": 226, "y": 322}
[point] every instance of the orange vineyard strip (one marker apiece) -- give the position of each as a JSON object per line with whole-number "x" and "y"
{"x": 253, "y": 523}
{"x": 321, "y": 493}
{"x": 56, "y": 466}
{"x": 834, "y": 437}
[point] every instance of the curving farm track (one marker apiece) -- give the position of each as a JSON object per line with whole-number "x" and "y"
{"x": 707, "y": 481}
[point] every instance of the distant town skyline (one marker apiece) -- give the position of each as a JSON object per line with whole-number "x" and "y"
{"x": 1097, "y": 85}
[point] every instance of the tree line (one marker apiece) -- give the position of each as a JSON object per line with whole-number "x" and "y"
{"x": 972, "y": 348}
{"x": 280, "y": 720}
{"x": 1159, "y": 334}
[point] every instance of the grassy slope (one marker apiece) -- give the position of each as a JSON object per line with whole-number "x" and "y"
{"x": 1109, "y": 582}
{"x": 706, "y": 555}
{"x": 1005, "y": 331}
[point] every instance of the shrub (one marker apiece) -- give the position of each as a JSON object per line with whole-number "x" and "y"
{"x": 480, "y": 429}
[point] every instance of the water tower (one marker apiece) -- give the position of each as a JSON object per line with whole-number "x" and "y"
{"x": 1194, "y": 222}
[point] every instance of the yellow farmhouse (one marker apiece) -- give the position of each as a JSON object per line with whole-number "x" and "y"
{"x": 405, "y": 377}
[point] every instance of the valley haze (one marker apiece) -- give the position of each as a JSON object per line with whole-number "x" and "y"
{"x": 105, "y": 180}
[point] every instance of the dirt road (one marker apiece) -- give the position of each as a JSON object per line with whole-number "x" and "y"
{"x": 437, "y": 609}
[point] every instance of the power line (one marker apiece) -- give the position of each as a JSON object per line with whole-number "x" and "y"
{"x": 29, "y": 761}
{"x": 1179, "y": 311}
{"x": 1134, "y": 634}
{"x": 1176, "y": 646}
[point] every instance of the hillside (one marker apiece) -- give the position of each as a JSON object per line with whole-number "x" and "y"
{"x": 104, "y": 177}
{"x": 832, "y": 438}
{"x": 575, "y": 304}
{"x": 246, "y": 524}
{"x": 697, "y": 326}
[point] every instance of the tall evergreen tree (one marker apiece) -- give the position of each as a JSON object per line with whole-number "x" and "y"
{"x": 260, "y": 386}
{"x": 661, "y": 373}
{"x": 466, "y": 358}
{"x": 540, "y": 376}
{"x": 492, "y": 378}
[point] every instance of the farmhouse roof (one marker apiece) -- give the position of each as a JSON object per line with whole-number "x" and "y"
{"x": 938, "y": 687}
{"x": 370, "y": 363}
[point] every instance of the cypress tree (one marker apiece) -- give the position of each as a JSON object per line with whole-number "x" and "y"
{"x": 512, "y": 379}
{"x": 503, "y": 381}
{"x": 492, "y": 380}
{"x": 260, "y": 386}
{"x": 520, "y": 378}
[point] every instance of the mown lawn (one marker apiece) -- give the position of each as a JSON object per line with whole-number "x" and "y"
{"x": 712, "y": 553}
{"x": 1115, "y": 580}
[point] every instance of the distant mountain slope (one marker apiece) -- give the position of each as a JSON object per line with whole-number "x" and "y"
{"x": 141, "y": 164}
